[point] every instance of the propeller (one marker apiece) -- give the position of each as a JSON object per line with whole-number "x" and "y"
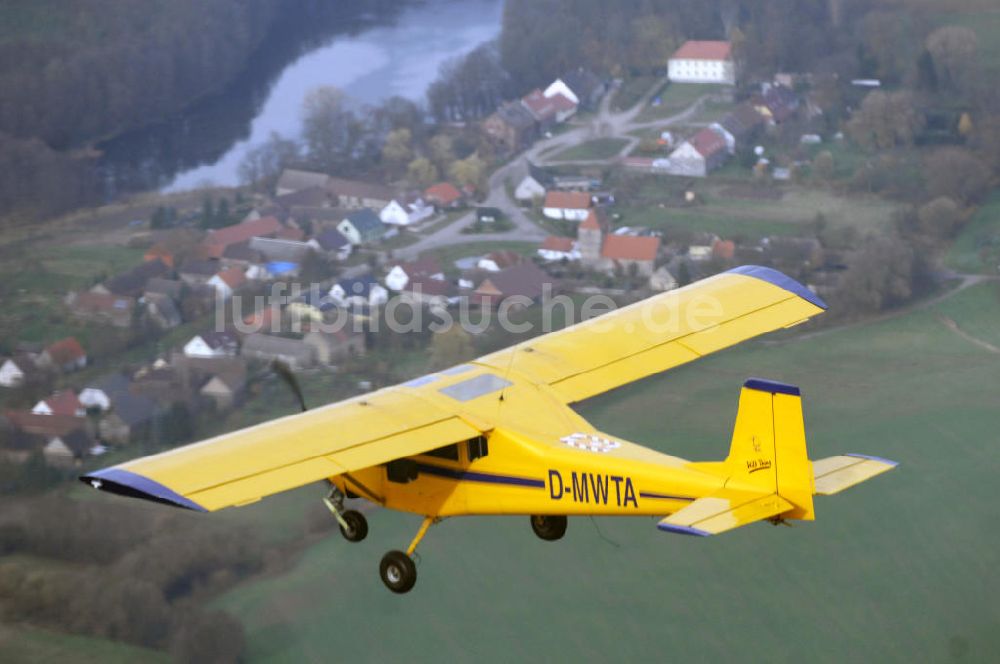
{"x": 286, "y": 374}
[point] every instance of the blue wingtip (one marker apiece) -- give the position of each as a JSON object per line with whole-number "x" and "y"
{"x": 682, "y": 530}
{"x": 873, "y": 458}
{"x": 772, "y": 386}
{"x": 127, "y": 483}
{"x": 780, "y": 280}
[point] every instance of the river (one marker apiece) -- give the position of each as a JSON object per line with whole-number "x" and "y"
{"x": 370, "y": 57}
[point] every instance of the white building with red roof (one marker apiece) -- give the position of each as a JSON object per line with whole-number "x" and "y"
{"x": 703, "y": 62}
{"x": 569, "y": 205}
{"x": 556, "y": 248}
{"x": 700, "y": 154}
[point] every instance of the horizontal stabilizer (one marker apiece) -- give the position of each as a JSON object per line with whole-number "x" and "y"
{"x": 716, "y": 514}
{"x": 834, "y": 474}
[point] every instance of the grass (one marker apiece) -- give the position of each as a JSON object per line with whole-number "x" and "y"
{"x": 674, "y": 98}
{"x": 20, "y": 643}
{"x": 35, "y": 281}
{"x": 793, "y": 214}
{"x": 631, "y": 91}
{"x": 977, "y": 247}
{"x": 600, "y": 148}
{"x": 899, "y": 569}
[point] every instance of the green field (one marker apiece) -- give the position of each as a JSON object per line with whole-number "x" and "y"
{"x": 977, "y": 247}
{"x": 600, "y": 148}
{"x": 899, "y": 569}
{"x": 631, "y": 91}
{"x": 35, "y": 282}
{"x": 674, "y": 98}
{"x": 30, "y": 644}
{"x": 794, "y": 213}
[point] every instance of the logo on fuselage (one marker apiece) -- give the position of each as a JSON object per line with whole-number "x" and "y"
{"x": 590, "y": 442}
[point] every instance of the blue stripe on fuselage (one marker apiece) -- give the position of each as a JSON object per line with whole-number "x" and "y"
{"x": 662, "y": 496}
{"x": 469, "y": 476}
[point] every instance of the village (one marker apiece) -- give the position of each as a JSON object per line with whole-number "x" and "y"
{"x": 556, "y": 212}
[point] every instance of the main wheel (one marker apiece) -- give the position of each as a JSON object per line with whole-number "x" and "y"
{"x": 549, "y": 528}
{"x": 358, "y": 526}
{"x": 397, "y": 571}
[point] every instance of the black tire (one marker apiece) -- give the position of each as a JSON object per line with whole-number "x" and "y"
{"x": 549, "y": 528}
{"x": 398, "y": 572}
{"x": 358, "y": 524}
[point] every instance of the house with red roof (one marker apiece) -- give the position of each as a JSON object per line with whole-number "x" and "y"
{"x": 104, "y": 308}
{"x": 602, "y": 250}
{"x": 556, "y": 248}
{"x": 227, "y": 281}
{"x": 63, "y": 402}
{"x": 569, "y": 205}
{"x": 444, "y": 195}
{"x": 64, "y": 355}
{"x": 217, "y": 240}
{"x": 551, "y": 110}
{"x": 701, "y": 154}
{"x": 703, "y": 62}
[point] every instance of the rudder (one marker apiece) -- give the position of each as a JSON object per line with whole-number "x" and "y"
{"x": 768, "y": 449}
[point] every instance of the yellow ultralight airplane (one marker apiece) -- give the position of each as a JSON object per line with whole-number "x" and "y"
{"x": 497, "y": 435}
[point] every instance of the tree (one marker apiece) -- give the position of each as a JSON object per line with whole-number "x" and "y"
{"x": 823, "y": 166}
{"x": 965, "y": 125}
{"x": 330, "y": 130}
{"x": 422, "y": 173}
{"x": 885, "y": 120}
{"x": 262, "y": 165}
{"x": 397, "y": 151}
{"x": 940, "y": 217}
{"x": 470, "y": 171}
{"x": 956, "y": 173}
{"x": 442, "y": 149}
{"x": 207, "y": 220}
{"x": 880, "y": 275}
{"x": 953, "y": 50}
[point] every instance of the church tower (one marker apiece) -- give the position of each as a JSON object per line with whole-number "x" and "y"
{"x": 590, "y": 238}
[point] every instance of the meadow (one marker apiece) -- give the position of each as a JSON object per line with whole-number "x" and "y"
{"x": 901, "y": 568}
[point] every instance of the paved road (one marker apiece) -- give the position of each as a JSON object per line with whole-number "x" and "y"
{"x": 605, "y": 124}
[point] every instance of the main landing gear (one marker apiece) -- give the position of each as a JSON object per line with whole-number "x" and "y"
{"x": 548, "y": 527}
{"x": 353, "y": 524}
{"x": 397, "y": 569}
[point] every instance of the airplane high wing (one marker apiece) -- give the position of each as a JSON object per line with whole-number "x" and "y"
{"x": 661, "y": 332}
{"x": 241, "y": 467}
{"x": 561, "y": 367}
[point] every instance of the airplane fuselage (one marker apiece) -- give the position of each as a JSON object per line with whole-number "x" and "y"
{"x": 518, "y": 475}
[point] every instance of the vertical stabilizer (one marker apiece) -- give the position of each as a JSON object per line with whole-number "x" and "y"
{"x": 768, "y": 450}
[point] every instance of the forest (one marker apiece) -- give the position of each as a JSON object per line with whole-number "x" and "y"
{"x": 72, "y": 74}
